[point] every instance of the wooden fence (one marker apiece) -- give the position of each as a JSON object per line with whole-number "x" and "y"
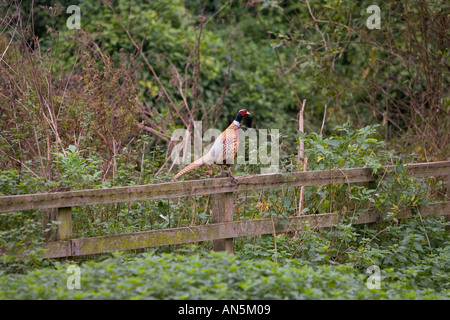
{"x": 57, "y": 206}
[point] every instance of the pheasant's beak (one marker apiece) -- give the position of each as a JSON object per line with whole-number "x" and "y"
{"x": 248, "y": 114}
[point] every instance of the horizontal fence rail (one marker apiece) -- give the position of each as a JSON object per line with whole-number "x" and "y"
{"x": 209, "y": 186}
{"x": 57, "y": 206}
{"x": 235, "y": 229}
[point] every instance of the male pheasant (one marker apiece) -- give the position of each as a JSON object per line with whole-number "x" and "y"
{"x": 224, "y": 149}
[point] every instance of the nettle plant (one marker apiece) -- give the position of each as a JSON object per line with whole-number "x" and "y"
{"x": 349, "y": 148}
{"x": 82, "y": 169}
{"x": 344, "y": 148}
{"x": 76, "y": 171}
{"x": 420, "y": 244}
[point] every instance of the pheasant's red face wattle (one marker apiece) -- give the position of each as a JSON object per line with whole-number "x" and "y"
{"x": 243, "y": 112}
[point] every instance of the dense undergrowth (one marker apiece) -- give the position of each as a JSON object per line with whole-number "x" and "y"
{"x": 223, "y": 276}
{"x": 413, "y": 254}
{"x": 96, "y": 107}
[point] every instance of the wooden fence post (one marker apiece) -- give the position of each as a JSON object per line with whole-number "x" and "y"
{"x": 63, "y": 216}
{"x": 222, "y": 207}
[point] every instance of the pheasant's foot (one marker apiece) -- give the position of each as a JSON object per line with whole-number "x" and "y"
{"x": 230, "y": 174}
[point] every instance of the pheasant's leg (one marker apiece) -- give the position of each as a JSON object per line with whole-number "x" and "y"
{"x": 222, "y": 173}
{"x": 230, "y": 174}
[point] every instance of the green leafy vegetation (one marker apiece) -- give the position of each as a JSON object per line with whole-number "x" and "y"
{"x": 223, "y": 276}
{"x": 96, "y": 107}
{"x": 328, "y": 263}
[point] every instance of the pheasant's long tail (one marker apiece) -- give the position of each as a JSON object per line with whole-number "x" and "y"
{"x": 197, "y": 163}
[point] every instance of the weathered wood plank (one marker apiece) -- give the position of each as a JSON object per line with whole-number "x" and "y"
{"x": 217, "y": 231}
{"x": 83, "y": 246}
{"x": 207, "y": 186}
{"x": 57, "y": 249}
{"x": 49, "y": 215}
{"x": 64, "y": 217}
{"x": 222, "y": 207}
{"x": 61, "y": 215}
{"x": 64, "y": 229}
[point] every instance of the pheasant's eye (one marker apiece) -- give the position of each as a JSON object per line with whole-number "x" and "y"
{"x": 243, "y": 112}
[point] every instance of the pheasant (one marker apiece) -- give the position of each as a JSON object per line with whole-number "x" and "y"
{"x": 224, "y": 149}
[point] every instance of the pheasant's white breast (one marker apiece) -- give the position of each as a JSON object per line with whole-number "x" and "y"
{"x": 224, "y": 148}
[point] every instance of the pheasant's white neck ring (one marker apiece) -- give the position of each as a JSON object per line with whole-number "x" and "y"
{"x": 236, "y": 123}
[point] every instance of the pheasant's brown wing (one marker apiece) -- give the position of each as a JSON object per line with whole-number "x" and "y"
{"x": 229, "y": 147}
{"x": 223, "y": 151}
